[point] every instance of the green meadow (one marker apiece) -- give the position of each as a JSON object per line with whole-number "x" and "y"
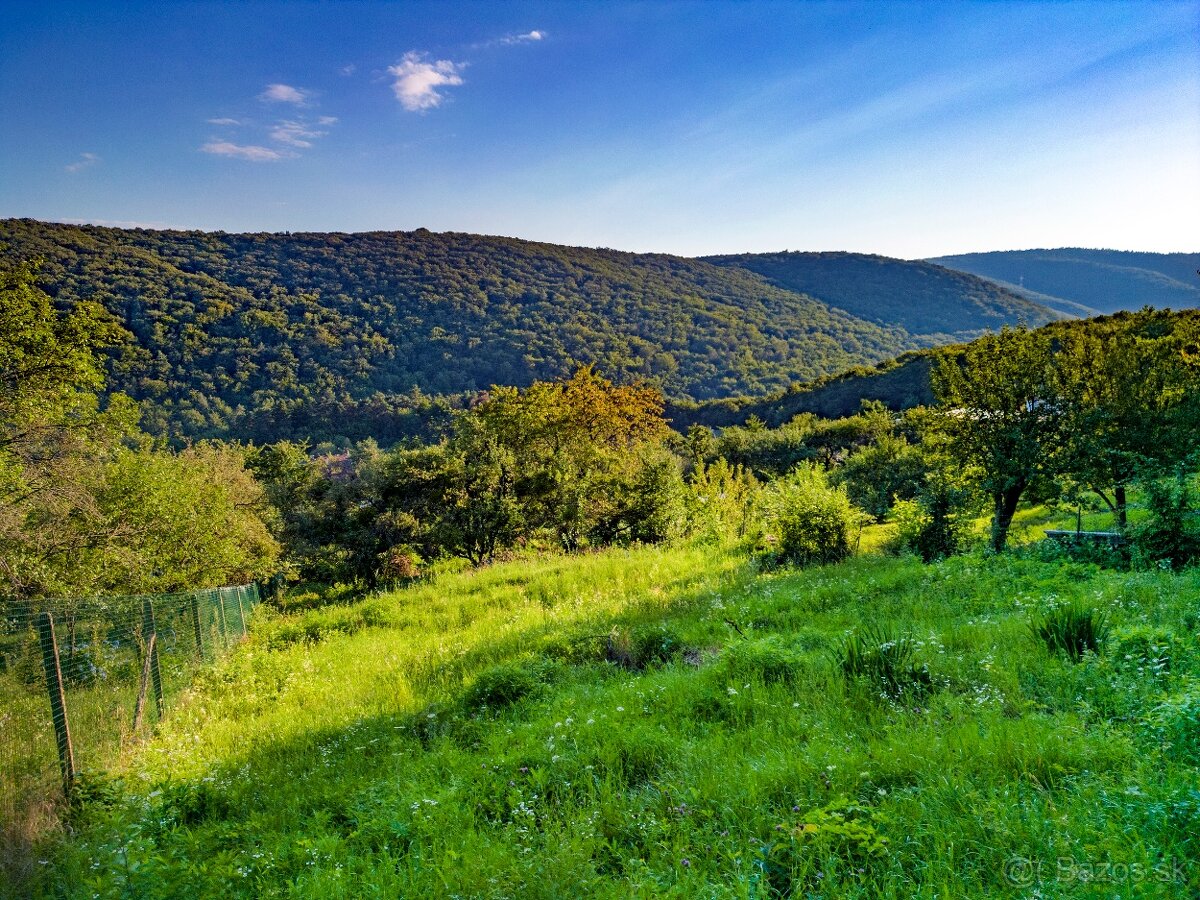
{"x": 674, "y": 722}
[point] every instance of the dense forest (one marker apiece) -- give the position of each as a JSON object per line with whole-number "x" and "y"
{"x": 341, "y": 337}
{"x": 1083, "y": 282}
{"x": 926, "y": 300}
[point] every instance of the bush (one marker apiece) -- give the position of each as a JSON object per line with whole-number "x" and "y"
{"x": 1176, "y": 725}
{"x": 505, "y": 684}
{"x": 875, "y": 477}
{"x": 932, "y": 526}
{"x": 811, "y": 522}
{"x": 1168, "y": 537}
{"x": 1073, "y": 630}
{"x": 768, "y": 659}
{"x": 643, "y": 646}
{"x": 884, "y": 659}
{"x": 722, "y": 502}
{"x": 1102, "y": 554}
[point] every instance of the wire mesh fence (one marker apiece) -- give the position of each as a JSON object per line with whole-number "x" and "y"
{"x": 82, "y": 679}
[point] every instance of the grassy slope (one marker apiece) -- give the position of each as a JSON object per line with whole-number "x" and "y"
{"x": 335, "y": 755}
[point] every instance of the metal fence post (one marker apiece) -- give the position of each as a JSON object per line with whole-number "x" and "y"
{"x": 149, "y": 635}
{"x": 58, "y": 700}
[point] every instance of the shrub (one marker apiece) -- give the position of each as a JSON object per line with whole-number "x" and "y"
{"x": 1176, "y": 724}
{"x": 932, "y": 526}
{"x": 1168, "y": 537}
{"x": 884, "y": 659}
{"x": 505, "y": 684}
{"x": 1102, "y": 554}
{"x": 767, "y": 658}
{"x": 398, "y": 565}
{"x": 643, "y": 646}
{"x": 875, "y": 477}
{"x": 1146, "y": 648}
{"x": 811, "y": 522}
{"x": 722, "y": 502}
{"x": 1073, "y": 630}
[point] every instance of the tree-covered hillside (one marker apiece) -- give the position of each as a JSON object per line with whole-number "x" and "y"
{"x": 1103, "y": 281}
{"x": 925, "y": 300}
{"x": 341, "y": 335}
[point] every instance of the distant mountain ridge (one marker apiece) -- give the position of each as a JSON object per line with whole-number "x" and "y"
{"x": 334, "y": 336}
{"x": 1089, "y": 282}
{"x": 928, "y": 301}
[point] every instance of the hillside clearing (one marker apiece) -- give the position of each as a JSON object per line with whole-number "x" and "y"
{"x": 670, "y": 722}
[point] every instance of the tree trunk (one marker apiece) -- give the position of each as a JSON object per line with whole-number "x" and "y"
{"x": 1121, "y": 506}
{"x": 1006, "y": 508}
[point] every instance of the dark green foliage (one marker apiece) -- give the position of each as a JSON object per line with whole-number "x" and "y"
{"x": 1073, "y": 630}
{"x": 1100, "y": 553}
{"x": 899, "y": 384}
{"x": 933, "y": 525}
{"x": 1170, "y": 535}
{"x": 924, "y": 299}
{"x": 345, "y": 336}
{"x": 642, "y": 646}
{"x": 1086, "y": 282}
{"x": 506, "y": 684}
{"x": 884, "y": 660}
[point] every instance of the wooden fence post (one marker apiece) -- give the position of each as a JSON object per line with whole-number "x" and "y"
{"x": 58, "y": 700}
{"x": 241, "y": 611}
{"x": 221, "y": 617}
{"x": 139, "y": 710}
{"x": 196, "y": 627}
{"x": 149, "y": 635}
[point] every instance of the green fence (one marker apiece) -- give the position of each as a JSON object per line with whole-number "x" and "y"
{"x": 80, "y": 680}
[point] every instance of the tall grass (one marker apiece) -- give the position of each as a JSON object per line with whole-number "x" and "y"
{"x": 479, "y": 736}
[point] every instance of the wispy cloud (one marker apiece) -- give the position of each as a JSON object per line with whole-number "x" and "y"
{"x": 419, "y": 81}
{"x": 510, "y": 40}
{"x": 85, "y": 161}
{"x": 299, "y": 133}
{"x": 280, "y": 140}
{"x": 285, "y": 93}
{"x": 527, "y": 37}
{"x": 251, "y": 152}
{"x": 348, "y": 70}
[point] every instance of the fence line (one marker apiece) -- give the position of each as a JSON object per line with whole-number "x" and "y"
{"x": 82, "y": 679}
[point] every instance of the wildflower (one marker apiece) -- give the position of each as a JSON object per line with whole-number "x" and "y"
{"x": 686, "y": 863}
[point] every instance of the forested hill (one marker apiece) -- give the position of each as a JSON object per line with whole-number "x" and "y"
{"x": 1088, "y": 282}
{"x": 266, "y": 335}
{"x": 926, "y": 300}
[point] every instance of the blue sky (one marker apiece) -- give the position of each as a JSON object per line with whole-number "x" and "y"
{"x": 909, "y": 129}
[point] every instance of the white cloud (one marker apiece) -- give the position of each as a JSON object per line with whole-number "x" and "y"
{"x": 299, "y": 133}
{"x": 251, "y": 152}
{"x": 525, "y": 38}
{"x": 418, "y": 80}
{"x": 284, "y": 93}
{"x": 85, "y": 160}
{"x": 347, "y": 71}
{"x": 224, "y": 121}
